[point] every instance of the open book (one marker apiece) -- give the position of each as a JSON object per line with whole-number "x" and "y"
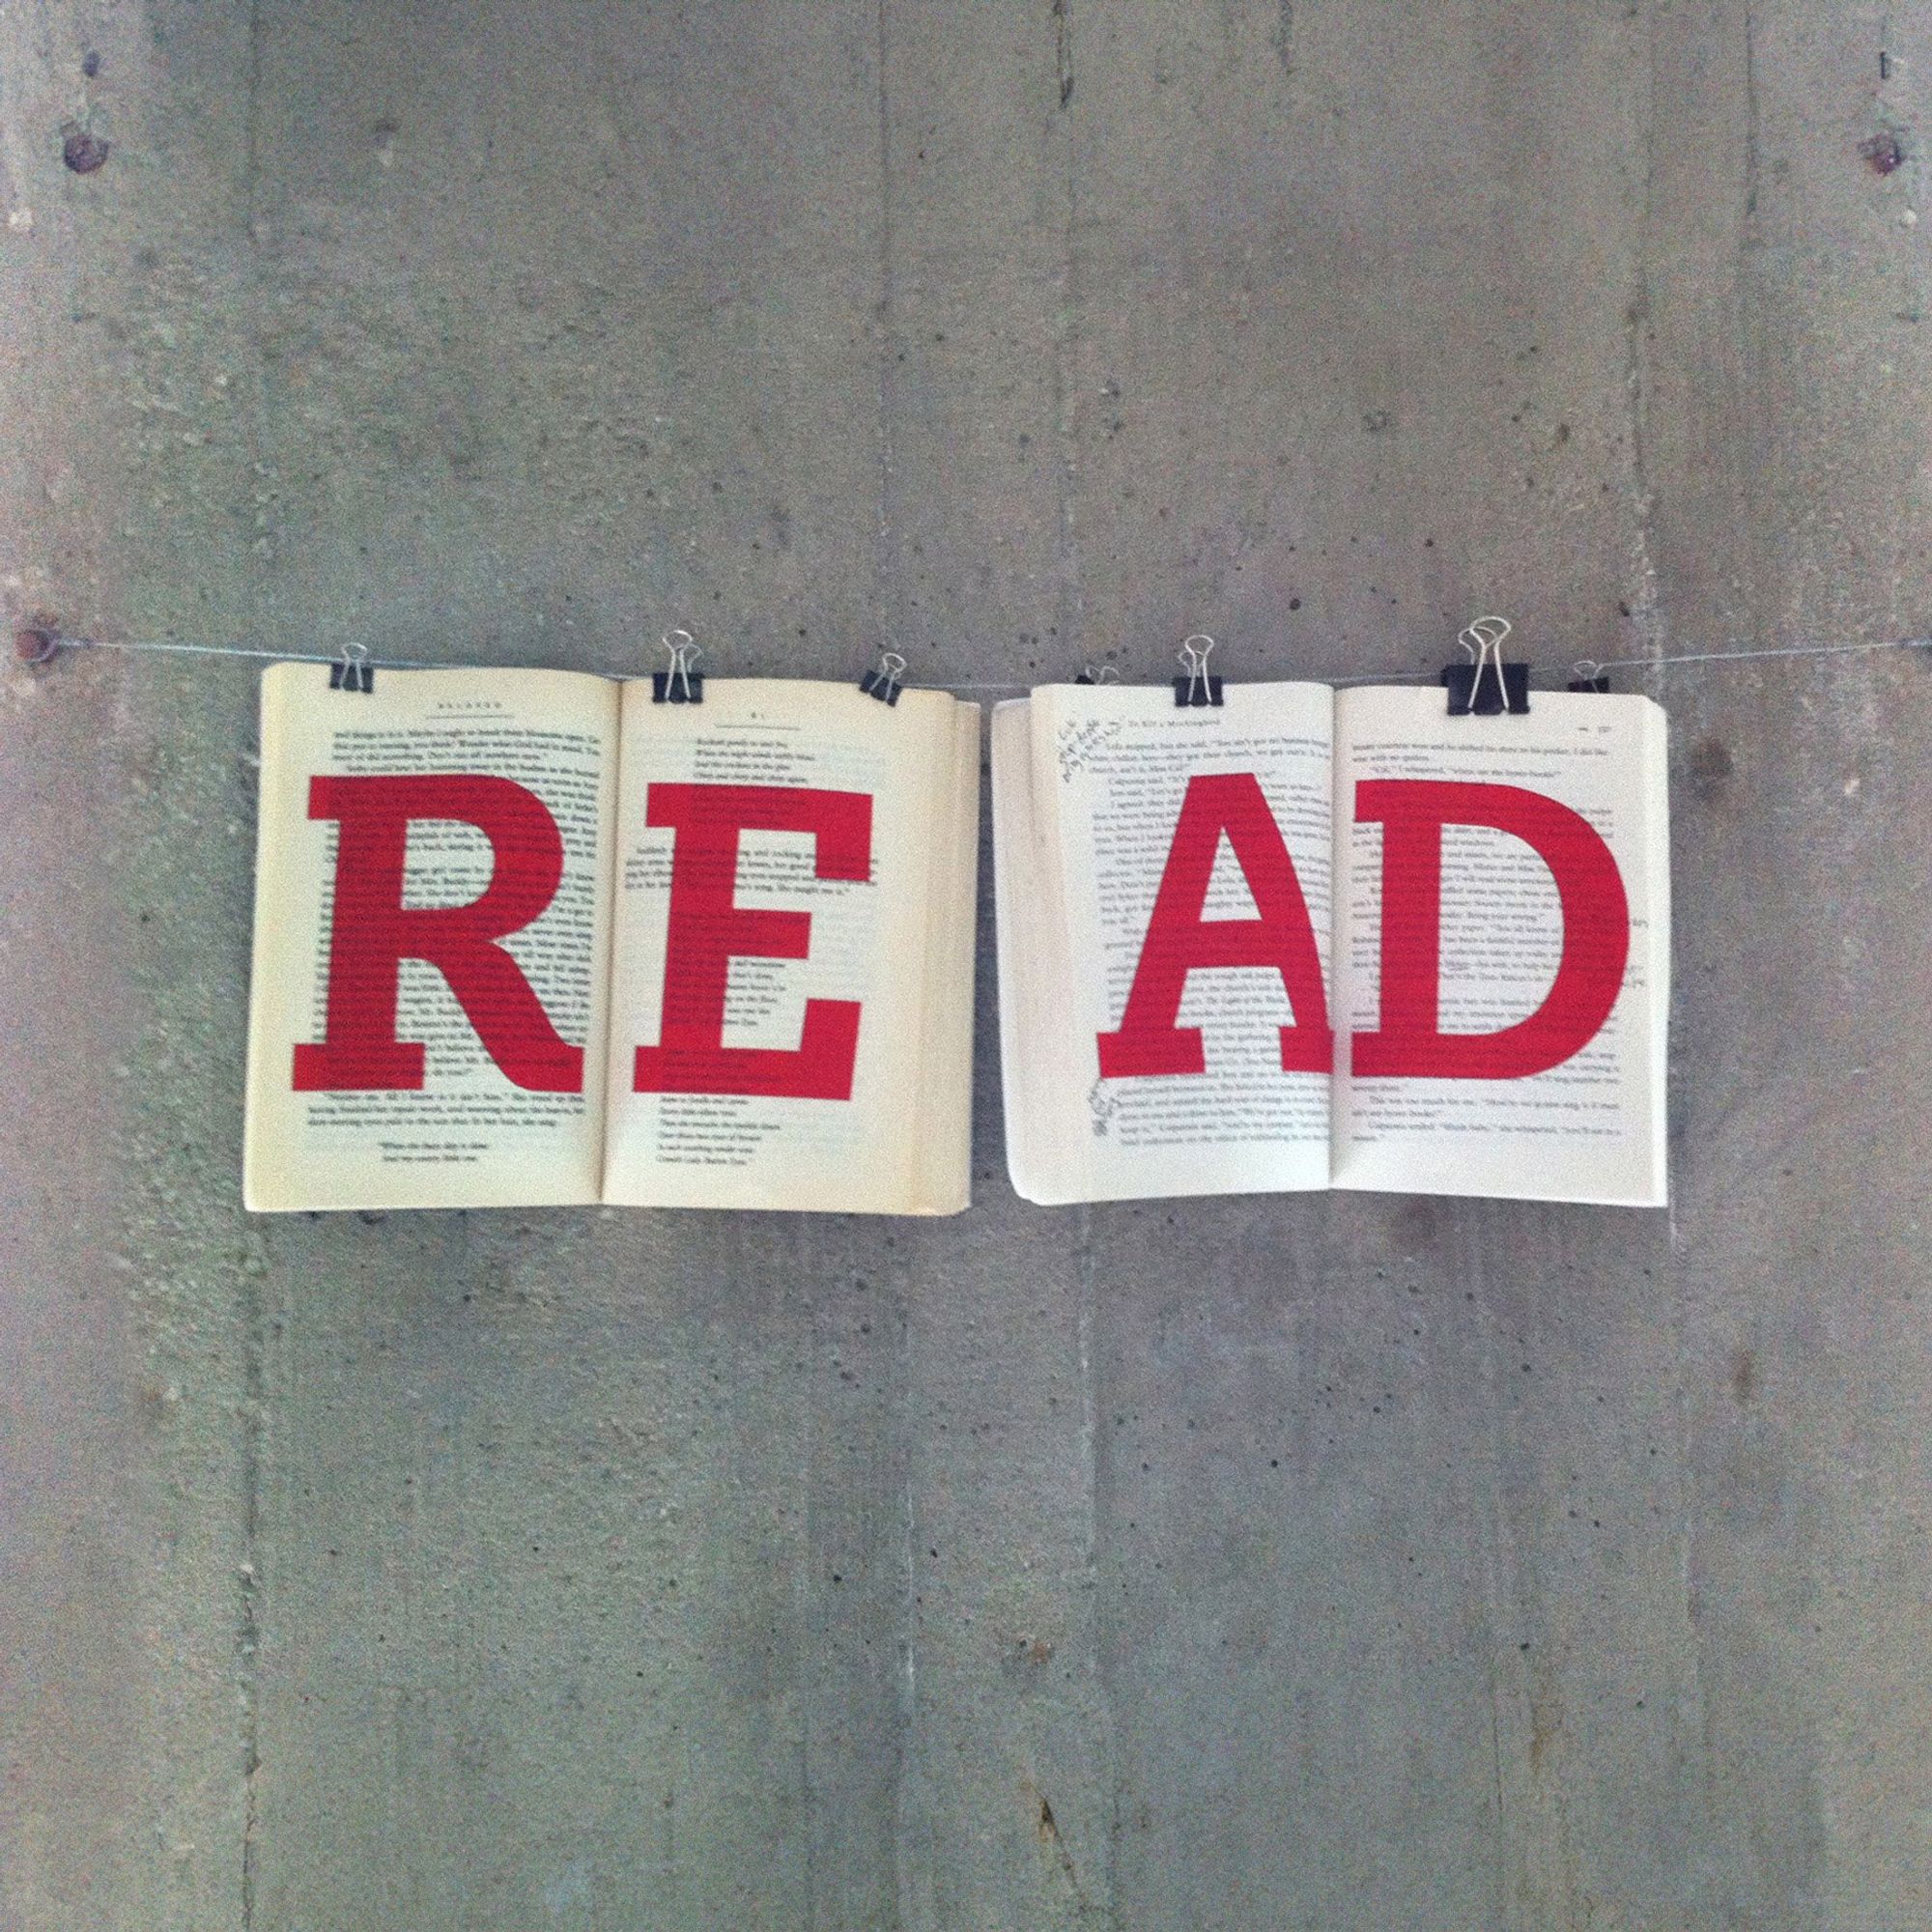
{"x": 1311, "y": 938}
{"x": 526, "y": 938}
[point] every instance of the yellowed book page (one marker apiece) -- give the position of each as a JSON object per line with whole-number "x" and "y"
{"x": 865, "y": 940}
{"x": 1111, "y": 768}
{"x": 1590, "y": 1129}
{"x": 469, "y": 1135}
{"x": 945, "y": 1139}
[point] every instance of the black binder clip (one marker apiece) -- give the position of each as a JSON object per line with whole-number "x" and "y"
{"x": 1485, "y": 687}
{"x": 1590, "y": 677}
{"x": 352, "y": 671}
{"x": 680, "y": 684}
{"x": 1097, "y": 674}
{"x": 886, "y": 683}
{"x": 1197, "y": 688}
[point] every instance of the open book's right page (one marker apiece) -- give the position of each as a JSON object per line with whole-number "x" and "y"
{"x": 843, "y": 898}
{"x": 1502, "y": 1030}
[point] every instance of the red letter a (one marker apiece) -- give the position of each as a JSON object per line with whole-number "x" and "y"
{"x": 1595, "y": 930}
{"x": 706, "y": 929}
{"x": 1179, "y": 940}
{"x": 373, "y": 932}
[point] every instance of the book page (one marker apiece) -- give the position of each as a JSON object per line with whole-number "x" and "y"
{"x": 1112, "y": 770}
{"x": 1590, "y": 1126}
{"x": 1037, "y": 1055}
{"x": 944, "y": 1149}
{"x": 460, "y": 1130}
{"x": 805, "y": 1021}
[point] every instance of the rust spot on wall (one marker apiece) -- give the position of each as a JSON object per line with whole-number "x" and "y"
{"x": 82, "y": 151}
{"x": 1744, "y": 1376}
{"x": 1546, "y": 1726}
{"x": 1710, "y": 769}
{"x": 1883, "y": 153}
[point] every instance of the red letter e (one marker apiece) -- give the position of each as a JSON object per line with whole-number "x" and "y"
{"x": 706, "y": 929}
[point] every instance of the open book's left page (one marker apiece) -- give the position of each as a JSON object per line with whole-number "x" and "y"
{"x": 432, "y": 918}
{"x": 1163, "y": 879}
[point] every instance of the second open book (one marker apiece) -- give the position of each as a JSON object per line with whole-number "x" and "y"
{"x": 1310, "y": 939}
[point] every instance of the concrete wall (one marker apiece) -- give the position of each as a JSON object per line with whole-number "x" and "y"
{"x": 1318, "y": 1563}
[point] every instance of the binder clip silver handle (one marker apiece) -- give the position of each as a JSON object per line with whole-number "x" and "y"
{"x": 680, "y": 684}
{"x": 1486, "y": 686}
{"x": 1197, "y": 688}
{"x": 1092, "y": 674}
{"x": 1590, "y": 676}
{"x": 352, "y": 671}
{"x": 888, "y": 680}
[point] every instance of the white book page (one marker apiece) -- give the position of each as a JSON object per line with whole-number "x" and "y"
{"x": 1039, "y": 1053}
{"x": 1591, "y": 1128}
{"x": 1110, "y": 768}
{"x": 870, "y": 941}
{"x": 469, "y": 1136}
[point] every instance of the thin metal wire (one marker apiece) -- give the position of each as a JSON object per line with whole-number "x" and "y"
{"x": 66, "y": 643}
{"x": 1588, "y": 666}
{"x": 1765, "y": 651}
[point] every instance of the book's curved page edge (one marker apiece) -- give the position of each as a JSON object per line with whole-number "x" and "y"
{"x": 259, "y": 1194}
{"x": 1656, "y": 734}
{"x": 1019, "y": 922}
{"x": 944, "y": 1140}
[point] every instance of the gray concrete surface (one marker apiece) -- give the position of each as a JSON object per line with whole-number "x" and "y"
{"x": 1327, "y": 1563}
